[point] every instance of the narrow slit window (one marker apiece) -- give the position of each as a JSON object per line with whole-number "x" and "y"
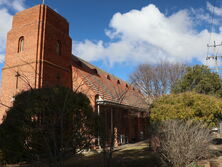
{"x": 58, "y": 48}
{"x": 58, "y": 77}
{"x": 21, "y": 44}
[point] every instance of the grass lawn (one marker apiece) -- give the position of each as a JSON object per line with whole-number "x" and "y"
{"x": 130, "y": 155}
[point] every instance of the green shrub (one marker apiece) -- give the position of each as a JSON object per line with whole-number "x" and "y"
{"x": 187, "y": 106}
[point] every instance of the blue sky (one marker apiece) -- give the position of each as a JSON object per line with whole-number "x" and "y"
{"x": 117, "y": 35}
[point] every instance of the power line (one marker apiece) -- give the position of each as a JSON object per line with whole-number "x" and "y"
{"x": 212, "y": 21}
{"x": 215, "y": 53}
{"x": 210, "y": 29}
{"x": 214, "y": 56}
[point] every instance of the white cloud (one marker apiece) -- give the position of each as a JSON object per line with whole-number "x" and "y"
{"x": 16, "y": 5}
{"x": 147, "y": 35}
{"x": 200, "y": 16}
{"x": 214, "y": 9}
{"x": 5, "y": 23}
{"x": 1, "y": 58}
{"x": 96, "y": 49}
{"x": 6, "y": 20}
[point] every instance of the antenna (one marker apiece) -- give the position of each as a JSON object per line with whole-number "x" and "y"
{"x": 214, "y": 56}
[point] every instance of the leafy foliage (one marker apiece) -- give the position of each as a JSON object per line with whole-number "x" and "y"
{"x": 200, "y": 79}
{"x": 46, "y": 124}
{"x": 186, "y": 106}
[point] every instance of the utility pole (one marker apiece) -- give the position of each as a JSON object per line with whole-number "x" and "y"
{"x": 214, "y": 56}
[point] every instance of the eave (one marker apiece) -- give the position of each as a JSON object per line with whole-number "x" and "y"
{"x": 110, "y": 103}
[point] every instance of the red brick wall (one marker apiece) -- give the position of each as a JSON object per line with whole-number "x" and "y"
{"x": 55, "y": 65}
{"x": 25, "y": 23}
{"x": 38, "y": 65}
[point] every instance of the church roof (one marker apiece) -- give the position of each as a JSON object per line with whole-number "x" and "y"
{"x": 110, "y": 89}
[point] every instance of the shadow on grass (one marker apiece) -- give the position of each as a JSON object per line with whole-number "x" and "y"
{"x": 124, "y": 158}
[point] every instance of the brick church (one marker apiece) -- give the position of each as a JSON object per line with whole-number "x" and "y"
{"x": 39, "y": 54}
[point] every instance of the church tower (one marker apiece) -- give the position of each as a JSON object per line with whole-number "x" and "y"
{"x": 38, "y": 52}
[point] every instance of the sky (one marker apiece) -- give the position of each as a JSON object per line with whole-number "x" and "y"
{"x": 118, "y": 35}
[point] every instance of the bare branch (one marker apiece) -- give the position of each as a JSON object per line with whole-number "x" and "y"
{"x": 157, "y": 80}
{"x": 183, "y": 143}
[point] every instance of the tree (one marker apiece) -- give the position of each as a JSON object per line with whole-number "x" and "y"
{"x": 46, "y": 125}
{"x": 187, "y": 106}
{"x": 183, "y": 144}
{"x": 156, "y": 80}
{"x": 200, "y": 79}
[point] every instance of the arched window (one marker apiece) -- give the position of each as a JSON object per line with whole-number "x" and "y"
{"x": 58, "y": 48}
{"x": 21, "y": 44}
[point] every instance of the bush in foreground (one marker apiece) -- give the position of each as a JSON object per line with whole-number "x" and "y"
{"x": 183, "y": 144}
{"x": 46, "y": 125}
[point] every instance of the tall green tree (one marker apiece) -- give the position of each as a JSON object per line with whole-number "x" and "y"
{"x": 187, "y": 106}
{"x": 46, "y": 125}
{"x": 200, "y": 79}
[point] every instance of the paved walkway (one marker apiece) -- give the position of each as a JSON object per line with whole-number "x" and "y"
{"x": 216, "y": 147}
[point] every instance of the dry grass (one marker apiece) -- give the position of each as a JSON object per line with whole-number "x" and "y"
{"x": 131, "y": 155}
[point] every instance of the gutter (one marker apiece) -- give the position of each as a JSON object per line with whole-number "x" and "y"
{"x": 103, "y": 102}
